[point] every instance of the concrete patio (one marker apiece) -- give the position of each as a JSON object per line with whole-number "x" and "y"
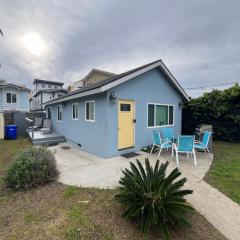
{"x": 83, "y": 169}
{"x": 79, "y": 168}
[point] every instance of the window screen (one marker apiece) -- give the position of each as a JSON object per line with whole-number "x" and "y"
{"x": 161, "y": 115}
{"x": 14, "y": 98}
{"x": 59, "y": 112}
{"x": 9, "y": 98}
{"x": 90, "y": 111}
{"x": 150, "y": 115}
{"x": 75, "y": 111}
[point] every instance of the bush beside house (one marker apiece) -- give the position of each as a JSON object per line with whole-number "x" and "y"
{"x": 218, "y": 108}
{"x": 32, "y": 167}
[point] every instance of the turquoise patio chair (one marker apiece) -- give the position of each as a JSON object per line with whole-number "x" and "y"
{"x": 158, "y": 142}
{"x": 204, "y": 143}
{"x": 167, "y": 133}
{"x": 185, "y": 145}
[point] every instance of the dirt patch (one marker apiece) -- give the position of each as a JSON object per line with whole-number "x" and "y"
{"x": 60, "y": 212}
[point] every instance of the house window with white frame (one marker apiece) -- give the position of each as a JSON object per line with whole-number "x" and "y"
{"x": 160, "y": 115}
{"x": 90, "y": 111}
{"x": 75, "y": 112}
{"x": 11, "y": 97}
{"x": 59, "y": 113}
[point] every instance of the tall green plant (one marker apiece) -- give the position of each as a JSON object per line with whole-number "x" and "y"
{"x": 219, "y": 108}
{"x": 152, "y": 198}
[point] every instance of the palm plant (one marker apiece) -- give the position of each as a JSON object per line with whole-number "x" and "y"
{"x": 152, "y": 198}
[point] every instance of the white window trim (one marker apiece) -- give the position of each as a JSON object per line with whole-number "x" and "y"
{"x": 162, "y": 104}
{"x": 57, "y": 113}
{"x": 11, "y": 97}
{"x": 77, "y": 110}
{"x": 88, "y": 120}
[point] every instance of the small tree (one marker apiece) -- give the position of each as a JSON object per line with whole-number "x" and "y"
{"x": 152, "y": 198}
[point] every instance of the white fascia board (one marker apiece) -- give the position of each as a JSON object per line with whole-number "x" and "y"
{"x": 135, "y": 74}
{"x": 174, "y": 81}
{"x": 78, "y": 95}
{"x": 130, "y": 76}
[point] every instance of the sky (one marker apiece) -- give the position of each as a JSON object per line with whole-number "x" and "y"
{"x": 62, "y": 40}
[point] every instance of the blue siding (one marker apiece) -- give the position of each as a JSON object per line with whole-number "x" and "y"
{"x": 150, "y": 87}
{"x": 22, "y": 100}
{"x": 91, "y": 135}
{"x": 101, "y": 137}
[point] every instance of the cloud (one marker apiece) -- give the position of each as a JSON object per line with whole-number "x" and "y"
{"x": 199, "y": 41}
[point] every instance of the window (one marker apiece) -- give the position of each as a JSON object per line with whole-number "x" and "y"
{"x": 75, "y": 111}
{"x": 11, "y": 97}
{"x": 160, "y": 115}
{"x": 59, "y": 113}
{"x": 43, "y": 85}
{"x": 55, "y": 86}
{"x": 90, "y": 111}
{"x": 125, "y": 107}
{"x": 49, "y": 85}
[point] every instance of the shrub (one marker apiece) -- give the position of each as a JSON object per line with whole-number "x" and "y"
{"x": 152, "y": 198}
{"x": 32, "y": 167}
{"x": 219, "y": 108}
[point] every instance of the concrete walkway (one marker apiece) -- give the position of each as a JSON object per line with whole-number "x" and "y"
{"x": 86, "y": 170}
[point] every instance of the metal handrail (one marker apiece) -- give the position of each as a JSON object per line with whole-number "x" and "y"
{"x": 28, "y": 122}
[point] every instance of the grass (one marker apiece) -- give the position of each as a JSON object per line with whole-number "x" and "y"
{"x": 70, "y": 191}
{"x": 224, "y": 173}
{"x": 8, "y": 149}
{"x": 57, "y": 211}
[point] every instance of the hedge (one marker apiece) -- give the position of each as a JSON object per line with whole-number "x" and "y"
{"x": 218, "y": 108}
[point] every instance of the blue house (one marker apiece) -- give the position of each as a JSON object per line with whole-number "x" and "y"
{"x": 13, "y": 97}
{"x": 117, "y": 115}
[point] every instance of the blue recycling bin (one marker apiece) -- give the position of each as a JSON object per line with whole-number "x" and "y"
{"x": 11, "y": 132}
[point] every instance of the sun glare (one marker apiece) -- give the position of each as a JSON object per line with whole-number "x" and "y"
{"x": 34, "y": 43}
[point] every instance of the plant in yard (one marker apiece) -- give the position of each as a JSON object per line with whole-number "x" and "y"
{"x": 152, "y": 198}
{"x": 32, "y": 167}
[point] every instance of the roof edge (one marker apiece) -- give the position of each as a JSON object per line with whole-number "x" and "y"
{"x": 70, "y": 97}
{"x": 123, "y": 79}
{"x": 47, "y": 81}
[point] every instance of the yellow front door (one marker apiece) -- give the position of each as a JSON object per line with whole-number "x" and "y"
{"x": 125, "y": 124}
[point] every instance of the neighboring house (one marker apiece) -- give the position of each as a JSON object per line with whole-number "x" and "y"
{"x": 13, "y": 97}
{"x": 94, "y": 76}
{"x": 44, "y": 91}
{"x": 117, "y": 115}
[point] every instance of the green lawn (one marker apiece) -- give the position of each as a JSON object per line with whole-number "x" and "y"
{"x": 57, "y": 211}
{"x": 224, "y": 173}
{"x": 8, "y": 149}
